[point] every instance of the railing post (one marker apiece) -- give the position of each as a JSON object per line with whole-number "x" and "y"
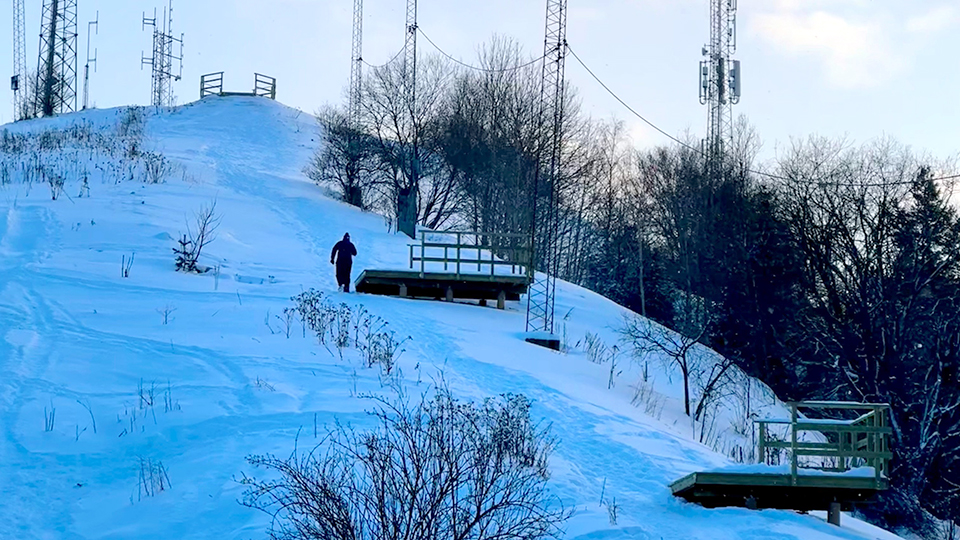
{"x": 879, "y": 462}
{"x": 459, "y": 243}
{"x": 793, "y": 444}
{"x": 423, "y": 253}
{"x": 411, "y": 256}
{"x": 762, "y": 457}
{"x": 493, "y": 261}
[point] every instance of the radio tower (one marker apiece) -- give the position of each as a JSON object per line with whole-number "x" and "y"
{"x": 407, "y": 198}
{"x": 356, "y": 63}
{"x": 162, "y": 58}
{"x": 720, "y": 78}
{"x": 18, "y": 82}
{"x": 57, "y": 65}
{"x": 86, "y": 67}
{"x": 540, "y": 298}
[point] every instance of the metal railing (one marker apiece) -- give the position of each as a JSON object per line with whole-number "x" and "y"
{"x": 211, "y": 84}
{"x": 469, "y": 249}
{"x": 264, "y": 86}
{"x": 849, "y": 444}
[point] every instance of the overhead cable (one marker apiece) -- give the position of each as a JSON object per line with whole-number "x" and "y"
{"x": 477, "y": 68}
{"x": 699, "y": 151}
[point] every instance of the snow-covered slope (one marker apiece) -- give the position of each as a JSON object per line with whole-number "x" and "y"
{"x": 226, "y": 381}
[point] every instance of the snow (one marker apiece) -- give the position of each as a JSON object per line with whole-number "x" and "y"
{"x": 858, "y": 472}
{"x": 74, "y": 335}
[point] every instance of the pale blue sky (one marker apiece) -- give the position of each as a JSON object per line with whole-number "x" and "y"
{"x": 854, "y": 68}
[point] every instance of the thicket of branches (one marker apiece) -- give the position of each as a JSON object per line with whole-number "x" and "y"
{"x": 439, "y": 469}
{"x": 838, "y": 277}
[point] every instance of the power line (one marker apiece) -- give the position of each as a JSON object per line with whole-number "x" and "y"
{"x": 628, "y": 107}
{"x": 385, "y": 64}
{"x": 477, "y": 68}
{"x": 699, "y": 151}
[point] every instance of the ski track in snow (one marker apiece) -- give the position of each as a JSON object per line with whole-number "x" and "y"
{"x": 72, "y": 331}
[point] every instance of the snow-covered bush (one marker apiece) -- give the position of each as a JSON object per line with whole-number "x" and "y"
{"x": 437, "y": 469}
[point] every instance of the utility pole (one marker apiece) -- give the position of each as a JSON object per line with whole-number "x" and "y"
{"x": 86, "y": 67}
{"x": 162, "y": 58}
{"x": 18, "y": 82}
{"x": 720, "y": 79}
{"x": 57, "y": 65}
{"x": 544, "y": 223}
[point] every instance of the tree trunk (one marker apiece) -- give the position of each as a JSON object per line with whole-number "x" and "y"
{"x": 407, "y": 211}
{"x": 354, "y": 196}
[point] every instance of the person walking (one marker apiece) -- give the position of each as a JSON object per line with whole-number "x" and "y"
{"x": 342, "y": 255}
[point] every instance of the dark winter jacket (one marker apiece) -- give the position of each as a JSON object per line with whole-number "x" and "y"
{"x": 343, "y": 253}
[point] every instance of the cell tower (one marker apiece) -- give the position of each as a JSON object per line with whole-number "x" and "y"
{"x": 86, "y": 67}
{"x": 162, "y": 58}
{"x": 57, "y": 65}
{"x": 18, "y": 82}
{"x": 540, "y": 299}
{"x": 720, "y": 77}
{"x": 356, "y": 63}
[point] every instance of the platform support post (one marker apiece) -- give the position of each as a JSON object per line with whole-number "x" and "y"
{"x": 502, "y": 300}
{"x": 449, "y": 293}
{"x": 403, "y": 290}
{"x": 833, "y": 514}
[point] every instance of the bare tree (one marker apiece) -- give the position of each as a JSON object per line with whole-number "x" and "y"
{"x": 191, "y": 243}
{"x": 403, "y": 129}
{"x": 345, "y": 158}
{"x": 675, "y": 348}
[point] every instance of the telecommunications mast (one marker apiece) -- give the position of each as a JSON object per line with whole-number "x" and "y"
{"x": 544, "y": 248}
{"x": 86, "y": 67}
{"x": 720, "y": 78}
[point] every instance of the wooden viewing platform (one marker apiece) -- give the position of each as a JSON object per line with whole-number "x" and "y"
{"x": 836, "y": 464}
{"x": 211, "y": 84}
{"x": 464, "y": 268}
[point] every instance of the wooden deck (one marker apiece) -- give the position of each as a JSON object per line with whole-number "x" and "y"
{"x": 441, "y": 285}
{"x": 828, "y": 463}
{"x": 753, "y": 490}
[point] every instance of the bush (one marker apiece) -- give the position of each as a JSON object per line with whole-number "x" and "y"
{"x": 442, "y": 469}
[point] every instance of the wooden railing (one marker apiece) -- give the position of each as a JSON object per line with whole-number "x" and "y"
{"x": 211, "y": 84}
{"x": 264, "y": 86}
{"x": 849, "y": 444}
{"x": 469, "y": 249}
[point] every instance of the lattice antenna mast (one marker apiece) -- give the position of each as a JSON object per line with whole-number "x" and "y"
{"x": 356, "y": 63}
{"x": 163, "y": 58}
{"x": 86, "y": 67}
{"x": 542, "y": 291}
{"x": 720, "y": 78}
{"x": 18, "y": 82}
{"x": 57, "y": 63}
{"x": 410, "y": 89}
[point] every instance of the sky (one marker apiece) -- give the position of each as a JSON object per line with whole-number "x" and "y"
{"x": 852, "y": 69}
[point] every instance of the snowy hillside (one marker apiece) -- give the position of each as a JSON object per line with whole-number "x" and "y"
{"x": 103, "y": 377}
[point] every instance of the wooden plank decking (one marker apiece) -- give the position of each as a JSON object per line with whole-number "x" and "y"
{"x": 810, "y": 492}
{"x": 831, "y": 463}
{"x": 442, "y": 285}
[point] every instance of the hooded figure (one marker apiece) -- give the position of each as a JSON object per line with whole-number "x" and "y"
{"x": 343, "y": 254}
